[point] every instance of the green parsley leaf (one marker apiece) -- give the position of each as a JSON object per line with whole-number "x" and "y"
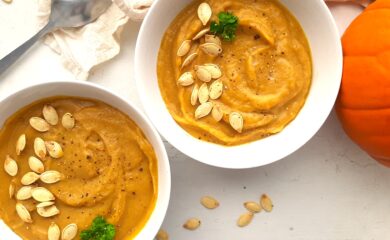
{"x": 99, "y": 230}
{"x": 227, "y": 26}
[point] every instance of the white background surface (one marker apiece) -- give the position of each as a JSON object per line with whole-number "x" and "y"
{"x": 329, "y": 189}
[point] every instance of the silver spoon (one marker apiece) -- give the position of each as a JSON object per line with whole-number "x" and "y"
{"x": 64, "y": 14}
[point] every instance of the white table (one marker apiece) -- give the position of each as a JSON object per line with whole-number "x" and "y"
{"x": 329, "y": 189}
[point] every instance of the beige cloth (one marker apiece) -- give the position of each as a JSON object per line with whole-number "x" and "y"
{"x": 83, "y": 48}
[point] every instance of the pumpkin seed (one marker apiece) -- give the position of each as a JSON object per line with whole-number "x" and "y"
{"x": 192, "y": 224}
{"x": 10, "y": 166}
{"x": 209, "y": 202}
{"x": 209, "y": 38}
{"x": 189, "y": 59}
{"x": 266, "y": 203}
{"x": 49, "y": 211}
{"x": 184, "y": 48}
{"x": 69, "y": 232}
{"x": 50, "y": 115}
{"x": 29, "y": 178}
{"x": 23, "y": 213}
{"x": 36, "y": 165}
{"x": 54, "y": 232}
{"x": 194, "y": 95}
{"x": 216, "y": 89}
{"x": 202, "y": 73}
{"x": 217, "y": 113}
{"x": 54, "y": 149}
{"x": 162, "y": 235}
{"x": 203, "y": 110}
{"x": 11, "y": 190}
{"x": 24, "y": 193}
{"x": 211, "y": 49}
{"x": 39, "y": 148}
{"x": 236, "y": 121}
{"x": 20, "y": 144}
{"x": 186, "y": 79}
{"x": 44, "y": 204}
{"x": 252, "y": 206}
{"x": 204, "y": 13}
{"x": 201, "y": 33}
{"x": 68, "y": 121}
{"x": 41, "y": 194}
{"x": 50, "y": 177}
{"x": 245, "y": 219}
{"x": 214, "y": 70}
{"x": 203, "y": 93}
{"x": 39, "y": 124}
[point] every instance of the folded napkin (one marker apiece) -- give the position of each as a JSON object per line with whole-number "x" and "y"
{"x": 83, "y": 48}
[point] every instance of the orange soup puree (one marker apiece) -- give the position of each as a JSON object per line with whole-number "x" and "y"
{"x": 107, "y": 168}
{"x": 265, "y": 72}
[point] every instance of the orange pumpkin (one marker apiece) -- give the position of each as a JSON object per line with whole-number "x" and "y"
{"x": 363, "y": 104}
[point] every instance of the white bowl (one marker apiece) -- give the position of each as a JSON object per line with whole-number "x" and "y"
{"x": 14, "y": 102}
{"x": 324, "y": 40}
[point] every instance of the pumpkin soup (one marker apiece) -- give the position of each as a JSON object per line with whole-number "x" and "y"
{"x": 231, "y": 72}
{"x": 70, "y": 163}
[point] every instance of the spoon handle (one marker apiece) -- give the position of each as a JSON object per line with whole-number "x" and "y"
{"x": 13, "y": 56}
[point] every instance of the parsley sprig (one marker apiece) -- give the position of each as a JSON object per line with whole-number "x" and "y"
{"x": 227, "y": 26}
{"x": 99, "y": 230}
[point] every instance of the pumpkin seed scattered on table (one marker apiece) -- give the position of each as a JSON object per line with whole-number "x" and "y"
{"x": 245, "y": 219}
{"x": 162, "y": 235}
{"x": 209, "y": 202}
{"x": 252, "y": 206}
{"x": 266, "y": 203}
{"x": 192, "y": 224}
